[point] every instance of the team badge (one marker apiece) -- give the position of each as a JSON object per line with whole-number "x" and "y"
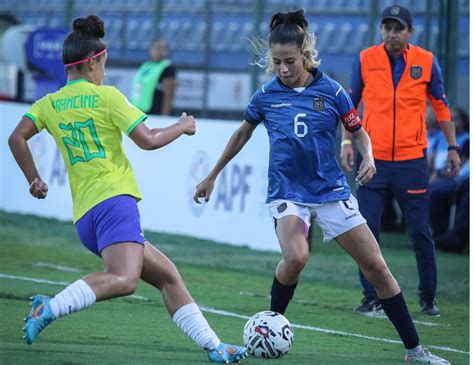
{"x": 416, "y": 72}
{"x": 318, "y": 103}
{"x": 395, "y": 10}
{"x": 282, "y": 207}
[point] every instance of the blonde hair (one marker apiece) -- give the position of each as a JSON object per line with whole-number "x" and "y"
{"x": 287, "y": 28}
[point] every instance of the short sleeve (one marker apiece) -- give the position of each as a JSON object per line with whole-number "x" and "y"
{"x": 347, "y": 113}
{"x": 169, "y": 73}
{"x": 122, "y": 113}
{"x": 253, "y": 114}
{"x": 34, "y": 113}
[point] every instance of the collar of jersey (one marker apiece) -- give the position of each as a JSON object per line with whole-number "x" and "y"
{"x": 75, "y": 81}
{"x": 317, "y": 75}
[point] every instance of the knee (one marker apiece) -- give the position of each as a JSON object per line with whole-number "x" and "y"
{"x": 127, "y": 286}
{"x": 377, "y": 272}
{"x": 297, "y": 262}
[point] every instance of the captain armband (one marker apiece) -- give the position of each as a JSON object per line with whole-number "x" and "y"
{"x": 351, "y": 120}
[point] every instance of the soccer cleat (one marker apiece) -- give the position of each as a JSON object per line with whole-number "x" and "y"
{"x": 225, "y": 353}
{"x": 370, "y": 307}
{"x": 429, "y": 308}
{"x": 39, "y": 317}
{"x": 426, "y": 357}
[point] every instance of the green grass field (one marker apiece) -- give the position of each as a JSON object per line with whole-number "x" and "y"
{"x": 138, "y": 330}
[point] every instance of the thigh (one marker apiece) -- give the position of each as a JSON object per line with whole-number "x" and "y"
{"x": 360, "y": 243}
{"x": 410, "y": 186}
{"x": 292, "y": 223}
{"x": 338, "y": 217}
{"x": 158, "y": 269}
{"x": 124, "y": 259}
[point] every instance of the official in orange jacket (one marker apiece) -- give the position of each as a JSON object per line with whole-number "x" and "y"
{"x": 394, "y": 81}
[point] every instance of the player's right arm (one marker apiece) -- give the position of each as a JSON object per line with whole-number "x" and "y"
{"x": 238, "y": 140}
{"x": 20, "y": 150}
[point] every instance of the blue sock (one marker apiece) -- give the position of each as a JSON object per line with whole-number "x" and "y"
{"x": 281, "y": 296}
{"x": 396, "y": 310}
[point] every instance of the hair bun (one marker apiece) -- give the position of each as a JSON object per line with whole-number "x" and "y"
{"x": 291, "y": 17}
{"x": 91, "y": 25}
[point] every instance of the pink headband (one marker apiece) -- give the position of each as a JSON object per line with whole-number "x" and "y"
{"x": 86, "y": 59}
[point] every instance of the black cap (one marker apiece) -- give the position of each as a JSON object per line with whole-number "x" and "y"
{"x": 399, "y": 13}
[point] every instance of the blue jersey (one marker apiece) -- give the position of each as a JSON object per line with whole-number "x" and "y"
{"x": 302, "y": 127}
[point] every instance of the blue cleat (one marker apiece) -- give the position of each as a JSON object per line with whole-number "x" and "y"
{"x": 225, "y": 353}
{"x": 39, "y": 317}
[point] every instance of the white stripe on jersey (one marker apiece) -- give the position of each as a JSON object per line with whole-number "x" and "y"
{"x": 338, "y": 91}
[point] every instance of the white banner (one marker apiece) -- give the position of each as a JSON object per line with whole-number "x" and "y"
{"x": 167, "y": 178}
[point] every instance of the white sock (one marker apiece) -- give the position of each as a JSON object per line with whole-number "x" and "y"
{"x": 191, "y": 321}
{"x": 75, "y": 297}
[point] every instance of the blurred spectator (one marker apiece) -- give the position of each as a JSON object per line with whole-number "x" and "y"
{"x": 439, "y": 150}
{"x": 449, "y": 197}
{"x": 433, "y": 134}
{"x": 155, "y": 83}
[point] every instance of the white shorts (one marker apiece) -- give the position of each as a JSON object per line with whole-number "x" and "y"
{"x": 334, "y": 218}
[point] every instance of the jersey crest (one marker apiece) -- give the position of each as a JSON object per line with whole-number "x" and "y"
{"x": 318, "y": 103}
{"x": 416, "y": 72}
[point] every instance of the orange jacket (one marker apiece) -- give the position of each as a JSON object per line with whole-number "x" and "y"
{"x": 394, "y": 118}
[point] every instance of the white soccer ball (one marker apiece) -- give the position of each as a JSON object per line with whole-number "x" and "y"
{"x": 268, "y": 335}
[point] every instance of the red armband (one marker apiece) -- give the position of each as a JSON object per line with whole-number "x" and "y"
{"x": 351, "y": 120}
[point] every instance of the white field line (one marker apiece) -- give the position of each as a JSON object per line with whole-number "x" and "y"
{"x": 50, "y": 282}
{"x": 56, "y": 267}
{"x": 383, "y": 316}
{"x": 236, "y": 315}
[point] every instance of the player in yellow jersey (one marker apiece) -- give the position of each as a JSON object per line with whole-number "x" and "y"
{"x": 86, "y": 119}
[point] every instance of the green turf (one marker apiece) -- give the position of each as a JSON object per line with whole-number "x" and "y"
{"x": 233, "y": 279}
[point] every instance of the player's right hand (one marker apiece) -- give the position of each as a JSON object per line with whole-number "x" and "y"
{"x": 38, "y": 188}
{"x": 347, "y": 157}
{"x": 204, "y": 190}
{"x": 188, "y": 123}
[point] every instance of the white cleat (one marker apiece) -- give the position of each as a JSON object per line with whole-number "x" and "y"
{"x": 426, "y": 357}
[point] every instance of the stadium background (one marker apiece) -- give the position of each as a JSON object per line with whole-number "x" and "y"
{"x": 208, "y": 42}
{"x": 208, "y": 45}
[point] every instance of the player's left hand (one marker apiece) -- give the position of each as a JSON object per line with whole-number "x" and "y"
{"x": 38, "y": 188}
{"x": 454, "y": 164}
{"x": 366, "y": 171}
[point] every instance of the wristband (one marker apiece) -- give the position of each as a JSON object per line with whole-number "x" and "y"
{"x": 455, "y": 148}
{"x": 346, "y": 141}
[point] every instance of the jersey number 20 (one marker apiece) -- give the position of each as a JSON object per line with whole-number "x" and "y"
{"x": 78, "y": 129}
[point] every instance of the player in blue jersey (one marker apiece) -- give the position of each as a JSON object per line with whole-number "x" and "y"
{"x": 105, "y": 193}
{"x": 300, "y": 108}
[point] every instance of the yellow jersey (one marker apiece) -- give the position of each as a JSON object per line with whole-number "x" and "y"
{"x": 87, "y": 122}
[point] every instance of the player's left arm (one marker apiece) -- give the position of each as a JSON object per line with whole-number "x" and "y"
{"x": 20, "y": 150}
{"x": 440, "y": 106}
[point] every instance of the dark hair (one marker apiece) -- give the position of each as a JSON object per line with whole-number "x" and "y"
{"x": 84, "y": 41}
{"x": 288, "y": 27}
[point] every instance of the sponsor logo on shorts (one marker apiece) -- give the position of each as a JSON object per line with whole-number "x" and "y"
{"x": 351, "y": 216}
{"x": 282, "y": 207}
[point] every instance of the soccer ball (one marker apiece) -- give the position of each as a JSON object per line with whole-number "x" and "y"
{"x": 268, "y": 335}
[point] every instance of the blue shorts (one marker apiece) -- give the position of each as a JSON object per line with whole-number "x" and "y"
{"x": 114, "y": 220}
